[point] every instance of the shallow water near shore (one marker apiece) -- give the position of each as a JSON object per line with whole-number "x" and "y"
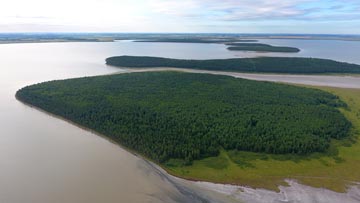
{"x": 45, "y": 159}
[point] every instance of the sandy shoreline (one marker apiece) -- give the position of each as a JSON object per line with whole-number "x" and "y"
{"x": 183, "y": 185}
{"x": 339, "y": 81}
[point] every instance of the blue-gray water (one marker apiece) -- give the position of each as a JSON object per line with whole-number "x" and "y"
{"x": 44, "y": 159}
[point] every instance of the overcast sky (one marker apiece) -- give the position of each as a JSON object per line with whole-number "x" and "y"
{"x": 236, "y": 16}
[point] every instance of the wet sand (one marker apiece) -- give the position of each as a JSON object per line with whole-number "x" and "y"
{"x": 295, "y": 193}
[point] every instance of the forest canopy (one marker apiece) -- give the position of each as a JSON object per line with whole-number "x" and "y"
{"x": 188, "y": 116}
{"x": 256, "y": 65}
{"x": 259, "y": 47}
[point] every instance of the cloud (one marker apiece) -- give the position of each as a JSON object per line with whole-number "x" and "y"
{"x": 179, "y": 15}
{"x": 250, "y": 10}
{"x": 29, "y": 17}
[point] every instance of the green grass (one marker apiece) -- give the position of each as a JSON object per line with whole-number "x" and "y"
{"x": 335, "y": 170}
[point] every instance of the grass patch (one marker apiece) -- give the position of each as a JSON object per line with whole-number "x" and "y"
{"x": 221, "y": 162}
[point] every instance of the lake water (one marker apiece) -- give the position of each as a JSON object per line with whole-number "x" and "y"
{"x": 345, "y": 51}
{"x": 44, "y": 159}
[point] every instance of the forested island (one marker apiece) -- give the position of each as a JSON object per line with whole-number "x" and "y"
{"x": 259, "y": 47}
{"x": 188, "y": 116}
{"x": 289, "y": 65}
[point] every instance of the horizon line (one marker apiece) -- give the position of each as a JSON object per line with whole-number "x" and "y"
{"x": 229, "y": 33}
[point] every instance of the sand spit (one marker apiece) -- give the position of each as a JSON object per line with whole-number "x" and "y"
{"x": 341, "y": 81}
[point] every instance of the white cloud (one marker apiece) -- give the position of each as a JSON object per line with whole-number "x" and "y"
{"x": 242, "y": 10}
{"x": 229, "y": 9}
{"x": 169, "y": 15}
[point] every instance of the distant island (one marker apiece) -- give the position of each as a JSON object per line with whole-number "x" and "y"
{"x": 196, "y": 40}
{"x": 259, "y": 47}
{"x": 289, "y": 65}
{"x": 235, "y": 44}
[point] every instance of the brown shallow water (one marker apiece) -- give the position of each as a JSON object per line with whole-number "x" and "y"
{"x": 45, "y": 159}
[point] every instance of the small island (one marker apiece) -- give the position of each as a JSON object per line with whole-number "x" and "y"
{"x": 259, "y": 47}
{"x": 288, "y": 65}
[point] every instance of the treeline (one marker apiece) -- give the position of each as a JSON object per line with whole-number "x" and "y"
{"x": 190, "y": 116}
{"x": 260, "y": 47}
{"x": 196, "y": 40}
{"x": 256, "y": 65}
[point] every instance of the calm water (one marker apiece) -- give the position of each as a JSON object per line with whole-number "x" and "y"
{"x": 346, "y": 51}
{"x": 44, "y": 159}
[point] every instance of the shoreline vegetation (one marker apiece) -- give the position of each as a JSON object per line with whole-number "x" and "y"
{"x": 215, "y": 163}
{"x": 259, "y": 47}
{"x": 286, "y": 65}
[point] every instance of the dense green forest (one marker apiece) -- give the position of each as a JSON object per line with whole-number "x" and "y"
{"x": 190, "y": 116}
{"x": 256, "y": 65}
{"x": 260, "y": 47}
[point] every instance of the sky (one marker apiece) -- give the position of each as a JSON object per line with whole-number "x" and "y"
{"x": 175, "y": 16}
